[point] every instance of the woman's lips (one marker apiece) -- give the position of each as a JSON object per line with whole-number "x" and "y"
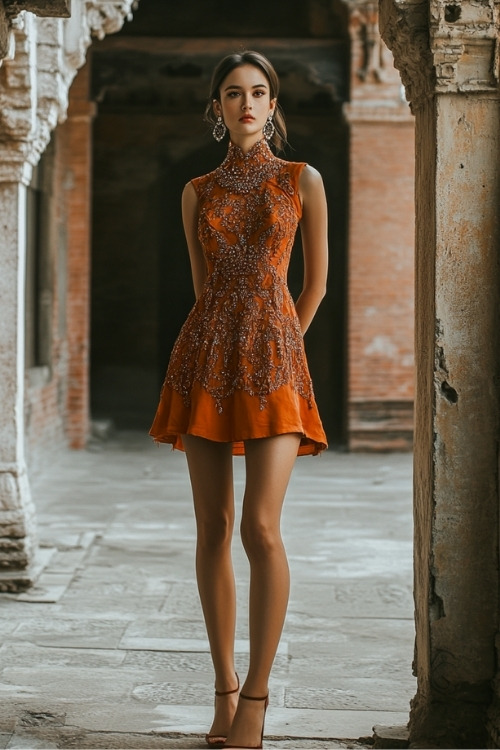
{"x": 247, "y": 118}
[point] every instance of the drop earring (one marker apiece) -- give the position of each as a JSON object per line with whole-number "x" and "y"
{"x": 268, "y": 129}
{"x": 219, "y": 130}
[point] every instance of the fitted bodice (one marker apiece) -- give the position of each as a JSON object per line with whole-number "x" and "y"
{"x": 243, "y": 332}
{"x": 249, "y": 211}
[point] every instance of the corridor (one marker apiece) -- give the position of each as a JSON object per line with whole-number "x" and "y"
{"x": 108, "y": 650}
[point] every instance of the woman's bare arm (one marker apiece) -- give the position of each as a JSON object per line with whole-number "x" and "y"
{"x": 190, "y": 221}
{"x": 314, "y": 226}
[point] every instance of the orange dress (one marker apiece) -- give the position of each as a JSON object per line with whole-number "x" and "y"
{"x": 238, "y": 369}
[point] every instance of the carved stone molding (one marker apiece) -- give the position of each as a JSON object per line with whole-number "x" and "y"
{"x": 443, "y": 46}
{"x": 9, "y": 9}
{"x": 364, "y": 31}
{"x": 404, "y": 25}
{"x": 60, "y": 8}
{"x": 376, "y": 90}
{"x": 107, "y": 16}
{"x": 4, "y": 33}
{"x": 46, "y": 54}
{"x": 464, "y": 43}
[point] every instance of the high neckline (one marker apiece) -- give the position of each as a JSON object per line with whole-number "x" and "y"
{"x": 242, "y": 173}
{"x": 260, "y": 148}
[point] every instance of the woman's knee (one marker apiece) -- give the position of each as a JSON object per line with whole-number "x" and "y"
{"x": 215, "y": 530}
{"x": 259, "y": 537}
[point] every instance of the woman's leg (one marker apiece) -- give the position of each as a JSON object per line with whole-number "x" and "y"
{"x": 269, "y": 463}
{"x": 211, "y": 472}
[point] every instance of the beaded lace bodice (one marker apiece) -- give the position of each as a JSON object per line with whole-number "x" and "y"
{"x": 243, "y": 331}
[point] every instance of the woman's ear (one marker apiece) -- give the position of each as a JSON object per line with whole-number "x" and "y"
{"x": 273, "y": 104}
{"x": 217, "y": 108}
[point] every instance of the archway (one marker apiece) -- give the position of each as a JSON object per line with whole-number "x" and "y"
{"x": 149, "y": 139}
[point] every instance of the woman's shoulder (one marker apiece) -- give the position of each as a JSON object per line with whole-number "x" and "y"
{"x": 300, "y": 173}
{"x": 301, "y": 168}
{"x": 309, "y": 175}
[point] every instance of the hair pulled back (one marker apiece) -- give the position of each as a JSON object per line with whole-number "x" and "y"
{"x": 236, "y": 60}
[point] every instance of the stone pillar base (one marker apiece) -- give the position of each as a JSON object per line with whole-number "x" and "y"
{"x": 17, "y": 525}
{"x": 452, "y": 721}
{"x": 17, "y": 580}
{"x": 493, "y": 721}
{"x": 390, "y": 737}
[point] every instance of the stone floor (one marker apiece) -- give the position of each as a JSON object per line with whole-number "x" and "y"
{"x": 108, "y": 650}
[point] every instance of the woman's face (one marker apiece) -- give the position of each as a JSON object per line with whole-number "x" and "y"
{"x": 245, "y": 102}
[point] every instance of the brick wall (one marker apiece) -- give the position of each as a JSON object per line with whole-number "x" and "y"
{"x": 381, "y": 284}
{"x": 56, "y": 399}
{"x": 46, "y": 371}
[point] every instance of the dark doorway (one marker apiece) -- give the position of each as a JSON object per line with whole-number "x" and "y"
{"x": 151, "y": 82}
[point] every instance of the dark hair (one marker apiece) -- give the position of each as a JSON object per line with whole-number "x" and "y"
{"x": 236, "y": 60}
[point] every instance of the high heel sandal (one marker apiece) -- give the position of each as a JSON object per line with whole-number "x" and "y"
{"x": 252, "y": 747}
{"x": 218, "y": 740}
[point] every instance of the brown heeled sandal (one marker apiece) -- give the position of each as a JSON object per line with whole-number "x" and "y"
{"x": 218, "y": 740}
{"x": 252, "y": 747}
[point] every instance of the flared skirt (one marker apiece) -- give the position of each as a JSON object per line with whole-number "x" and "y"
{"x": 243, "y": 417}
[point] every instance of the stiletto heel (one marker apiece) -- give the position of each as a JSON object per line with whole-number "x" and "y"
{"x": 218, "y": 740}
{"x": 252, "y": 747}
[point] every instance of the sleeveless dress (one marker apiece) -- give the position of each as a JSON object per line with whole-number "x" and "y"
{"x": 238, "y": 369}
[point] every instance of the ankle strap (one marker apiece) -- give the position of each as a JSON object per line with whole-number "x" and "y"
{"x": 252, "y": 698}
{"x": 229, "y": 692}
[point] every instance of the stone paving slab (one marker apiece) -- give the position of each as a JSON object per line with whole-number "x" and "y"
{"x": 112, "y": 726}
{"x": 109, "y": 650}
{"x": 80, "y": 740}
{"x": 186, "y": 645}
{"x": 76, "y": 632}
{"x": 22, "y": 654}
{"x": 162, "y": 719}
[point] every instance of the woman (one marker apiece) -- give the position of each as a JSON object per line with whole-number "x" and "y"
{"x": 237, "y": 381}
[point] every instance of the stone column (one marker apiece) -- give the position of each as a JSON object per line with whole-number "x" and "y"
{"x": 17, "y": 123}
{"x": 381, "y": 220}
{"x": 17, "y": 537}
{"x": 447, "y": 55}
